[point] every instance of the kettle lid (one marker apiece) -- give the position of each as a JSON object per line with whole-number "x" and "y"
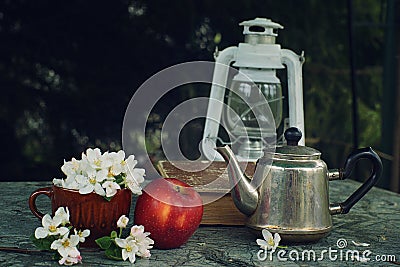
{"x": 292, "y": 150}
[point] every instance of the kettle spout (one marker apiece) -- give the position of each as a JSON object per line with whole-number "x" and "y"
{"x": 244, "y": 195}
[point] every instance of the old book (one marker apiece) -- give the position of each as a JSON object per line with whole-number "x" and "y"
{"x": 211, "y": 180}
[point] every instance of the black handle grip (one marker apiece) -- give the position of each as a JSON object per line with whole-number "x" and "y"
{"x": 362, "y": 153}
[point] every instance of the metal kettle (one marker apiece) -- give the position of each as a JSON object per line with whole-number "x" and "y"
{"x": 292, "y": 198}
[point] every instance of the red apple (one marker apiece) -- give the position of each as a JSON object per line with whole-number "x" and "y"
{"x": 170, "y": 210}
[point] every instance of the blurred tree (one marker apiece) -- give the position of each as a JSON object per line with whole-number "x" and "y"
{"x": 68, "y": 70}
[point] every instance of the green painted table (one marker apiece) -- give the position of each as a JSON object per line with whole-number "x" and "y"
{"x": 374, "y": 220}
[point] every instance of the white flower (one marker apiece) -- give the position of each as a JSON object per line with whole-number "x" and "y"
{"x": 102, "y": 173}
{"x": 63, "y": 215}
{"x": 129, "y": 163}
{"x": 270, "y": 242}
{"x": 71, "y": 168}
{"x": 143, "y": 252}
{"x": 143, "y": 242}
{"x": 111, "y": 188}
{"x": 118, "y": 163}
{"x": 134, "y": 177}
{"x": 133, "y": 185}
{"x": 66, "y": 246}
{"x": 122, "y": 221}
{"x": 58, "y": 182}
{"x": 129, "y": 248}
{"x": 92, "y": 182}
{"x": 137, "y": 230}
{"x": 50, "y": 227}
{"x": 71, "y": 182}
{"x": 82, "y": 234}
{"x": 144, "y": 247}
{"x": 70, "y": 260}
{"x": 97, "y": 160}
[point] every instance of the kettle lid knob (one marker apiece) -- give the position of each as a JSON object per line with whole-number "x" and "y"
{"x": 292, "y": 136}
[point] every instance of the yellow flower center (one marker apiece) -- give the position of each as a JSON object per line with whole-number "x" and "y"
{"x": 110, "y": 172}
{"x": 97, "y": 162}
{"x": 92, "y": 180}
{"x": 66, "y": 243}
{"x": 123, "y": 163}
{"x": 271, "y": 242}
{"x": 52, "y": 228}
{"x": 128, "y": 249}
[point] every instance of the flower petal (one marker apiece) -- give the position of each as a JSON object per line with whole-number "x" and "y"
{"x": 63, "y": 230}
{"x": 277, "y": 239}
{"x": 40, "y": 232}
{"x": 120, "y": 156}
{"x": 131, "y": 162}
{"x": 120, "y": 242}
{"x": 101, "y": 175}
{"x": 262, "y": 243}
{"x": 62, "y": 251}
{"x": 47, "y": 221}
{"x": 86, "y": 189}
{"x": 58, "y": 182}
{"x": 62, "y": 215}
{"x": 132, "y": 257}
{"x": 266, "y": 234}
{"x": 136, "y": 230}
{"x": 99, "y": 189}
{"x": 125, "y": 254}
{"x": 56, "y": 244}
{"x": 139, "y": 174}
{"x": 74, "y": 240}
{"x": 73, "y": 252}
{"x": 86, "y": 233}
{"x": 122, "y": 221}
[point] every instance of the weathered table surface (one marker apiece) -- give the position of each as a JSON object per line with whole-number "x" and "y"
{"x": 374, "y": 220}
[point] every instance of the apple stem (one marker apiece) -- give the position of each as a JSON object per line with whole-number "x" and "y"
{"x": 180, "y": 189}
{"x": 177, "y": 188}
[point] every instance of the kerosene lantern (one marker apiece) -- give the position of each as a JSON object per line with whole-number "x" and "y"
{"x": 255, "y": 97}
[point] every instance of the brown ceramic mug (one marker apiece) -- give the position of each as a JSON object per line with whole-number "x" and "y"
{"x": 90, "y": 211}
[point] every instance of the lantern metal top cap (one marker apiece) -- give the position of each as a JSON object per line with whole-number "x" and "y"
{"x": 265, "y": 23}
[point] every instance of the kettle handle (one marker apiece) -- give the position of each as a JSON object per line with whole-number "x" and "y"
{"x": 361, "y": 153}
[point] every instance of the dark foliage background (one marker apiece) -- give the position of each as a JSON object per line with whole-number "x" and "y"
{"x": 69, "y": 68}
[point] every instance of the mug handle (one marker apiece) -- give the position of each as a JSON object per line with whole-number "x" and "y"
{"x": 361, "y": 153}
{"x": 32, "y": 200}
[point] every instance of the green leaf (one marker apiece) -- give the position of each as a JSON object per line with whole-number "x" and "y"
{"x": 119, "y": 179}
{"x": 107, "y": 198}
{"x": 104, "y": 242}
{"x": 114, "y": 252}
{"x": 43, "y": 243}
{"x": 32, "y": 237}
{"x": 56, "y": 256}
{"x": 114, "y": 234}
